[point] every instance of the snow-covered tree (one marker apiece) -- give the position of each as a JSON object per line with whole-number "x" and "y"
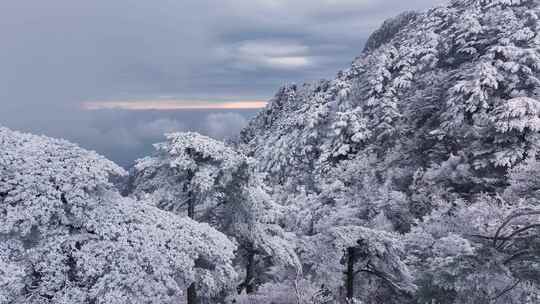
{"x": 357, "y": 262}
{"x": 210, "y": 182}
{"x": 436, "y": 118}
{"x": 67, "y": 236}
{"x": 480, "y": 252}
{"x": 411, "y": 177}
{"x": 517, "y": 122}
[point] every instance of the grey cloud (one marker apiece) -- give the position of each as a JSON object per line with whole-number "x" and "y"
{"x": 62, "y": 51}
{"x": 136, "y": 135}
{"x": 270, "y": 54}
{"x": 156, "y": 128}
{"x": 224, "y": 125}
{"x": 56, "y": 54}
{"x": 124, "y": 136}
{"x": 131, "y": 135}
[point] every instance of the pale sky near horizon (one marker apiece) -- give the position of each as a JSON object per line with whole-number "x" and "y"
{"x": 57, "y": 56}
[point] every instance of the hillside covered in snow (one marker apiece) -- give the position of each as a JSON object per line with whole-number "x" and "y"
{"x": 412, "y": 177}
{"x": 432, "y": 136}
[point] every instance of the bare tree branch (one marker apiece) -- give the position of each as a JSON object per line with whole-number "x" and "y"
{"x": 516, "y": 232}
{"x": 508, "y": 220}
{"x": 515, "y": 256}
{"x": 506, "y": 290}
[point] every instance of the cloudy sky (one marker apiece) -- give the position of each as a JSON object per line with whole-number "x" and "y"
{"x": 112, "y": 75}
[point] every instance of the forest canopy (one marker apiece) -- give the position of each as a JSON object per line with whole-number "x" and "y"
{"x": 412, "y": 177}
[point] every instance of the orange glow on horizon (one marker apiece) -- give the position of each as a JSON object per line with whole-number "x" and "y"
{"x": 141, "y": 105}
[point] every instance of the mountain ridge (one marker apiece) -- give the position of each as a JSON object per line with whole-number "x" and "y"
{"x": 363, "y": 104}
{"x": 426, "y": 136}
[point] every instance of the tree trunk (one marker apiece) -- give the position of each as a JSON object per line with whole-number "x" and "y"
{"x": 349, "y": 274}
{"x": 188, "y": 191}
{"x": 192, "y": 289}
{"x": 191, "y": 209}
{"x": 250, "y": 270}
{"x": 192, "y": 294}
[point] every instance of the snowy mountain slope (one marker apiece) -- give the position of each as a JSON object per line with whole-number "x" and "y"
{"x": 437, "y": 90}
{"x": 428, "y": 145}
{"x": 410, "y": 178}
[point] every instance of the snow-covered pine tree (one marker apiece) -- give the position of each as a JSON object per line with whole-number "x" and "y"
{"x": 484, "y": 251}
{"x": 67, "y": 236}
{"x": 194, "y": 175}
{"x": 442, "y": 105}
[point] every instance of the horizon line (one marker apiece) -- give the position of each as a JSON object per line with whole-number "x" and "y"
{"x": 172, "y": 104}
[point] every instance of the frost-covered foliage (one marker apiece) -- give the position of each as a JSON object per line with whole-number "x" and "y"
{"x": 188, "y": 169}
{"x": 194, "y": 175}
{"x": 412, "y": 177}
{"x": 431, "y": 138}
{"x": 484, "y": 251}
{"x": 389, "y": 29}
{"x": 67, "y": 236}
{"x": 374, "y": 258}
{"x": 437, "y": 87}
